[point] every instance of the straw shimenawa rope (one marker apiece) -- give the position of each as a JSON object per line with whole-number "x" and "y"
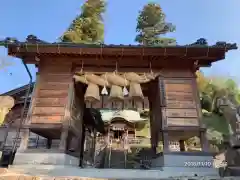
{"x": 109, "y": 79}
{"x": 116, "y": 93}
{"x": 117, "y": 82}
{"x": 135, "y": 91}
{"x": 92, "y": 93}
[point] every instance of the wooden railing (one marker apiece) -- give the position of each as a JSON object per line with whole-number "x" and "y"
{"x": 130, "y": 140}
{"x": 136, "y": 141}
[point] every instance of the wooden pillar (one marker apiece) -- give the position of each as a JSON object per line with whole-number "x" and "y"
{"x": 204, "y": 142}
{"x": 203, "y": 139}
{"x": 37, "y": 140}
{"x": 24, "y": 140}
{"x": 165, "y": 141}
{"x": 78, "y": 99}
{"x": 182, "y": 145}
{"x": 63, "y": 140}
{"x": 161, "y": 103}
{"x": 94, "y": 144}
{"x": 64, "y": 137}
{"x": 135, "y": 132}
{"x": 81, "y": 144}
{"x": 49, "y": 143}
{"x": 154, "y": 114}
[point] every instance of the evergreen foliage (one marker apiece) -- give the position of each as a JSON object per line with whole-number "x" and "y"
{"x": 151, "y": 24}
{"x": 88, "y": 27}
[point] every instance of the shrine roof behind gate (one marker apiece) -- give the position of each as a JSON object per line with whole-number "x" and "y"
{"x": 18, "y": 90}
{"x": 128, "y": 115}
{"x": 19, "y": 94}
{"x": 199, "y": 50}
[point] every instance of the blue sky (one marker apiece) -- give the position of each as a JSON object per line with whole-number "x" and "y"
{"x": 215, "y": 20}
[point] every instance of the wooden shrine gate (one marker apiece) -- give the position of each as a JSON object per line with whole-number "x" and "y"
{"x": 71, "y": 74}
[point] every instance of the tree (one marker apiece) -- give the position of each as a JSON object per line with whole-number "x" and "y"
{"x": 151, "y": 24}
{"x": 87, "y": 27}
{"x": 211, "y": 89}
{"x": 202, "y": 83}
{"x": 232, "y": 90}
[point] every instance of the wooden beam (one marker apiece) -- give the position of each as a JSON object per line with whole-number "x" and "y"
{"x": 118, "y": 51}
{"x": 184, "y": 128}
{"x": 42, "y": 126}
{"x": 126, "y": 60}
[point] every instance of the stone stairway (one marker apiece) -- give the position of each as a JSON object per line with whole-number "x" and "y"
{"x": 100, "y": 154}
{"x": 95, "y": 159}
{"x": 115, "y": 158}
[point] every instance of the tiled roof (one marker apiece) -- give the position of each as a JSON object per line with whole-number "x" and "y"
{"x": 32, "y": 40}
{"x": 17, "y": 90}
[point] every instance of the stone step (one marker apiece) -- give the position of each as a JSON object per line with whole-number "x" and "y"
{"x": 126, "y": 174}
{"x": 75, "y": 173}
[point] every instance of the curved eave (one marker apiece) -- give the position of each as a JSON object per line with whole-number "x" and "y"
{"x": 207, "y": 52}
{"x": 204, "y": 56}
{"x": 117, "y": 119}
{"x": 199, "y": 50}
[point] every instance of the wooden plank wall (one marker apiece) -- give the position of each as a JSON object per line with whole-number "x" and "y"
{"x": 51, "y": 93}
{"x": 181, "y": 106}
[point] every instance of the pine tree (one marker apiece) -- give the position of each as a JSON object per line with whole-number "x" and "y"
{"x": 151, "y": 24}
{"x": 87, "y": 27}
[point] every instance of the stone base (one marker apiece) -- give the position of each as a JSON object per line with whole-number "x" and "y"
{"x": 128, "y": 174}
{"x": 192, "y": 164}
{"x": 57, "y": 164}
{"x": 44, "y": 157}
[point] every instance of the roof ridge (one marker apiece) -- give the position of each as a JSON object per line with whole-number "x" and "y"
{"x": 32, "y": 40}
{"x": 17, "y": 90}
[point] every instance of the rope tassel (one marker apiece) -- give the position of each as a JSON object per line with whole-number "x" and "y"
{"x": 104, "y": 91}
{"x": 125, "y": 91}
